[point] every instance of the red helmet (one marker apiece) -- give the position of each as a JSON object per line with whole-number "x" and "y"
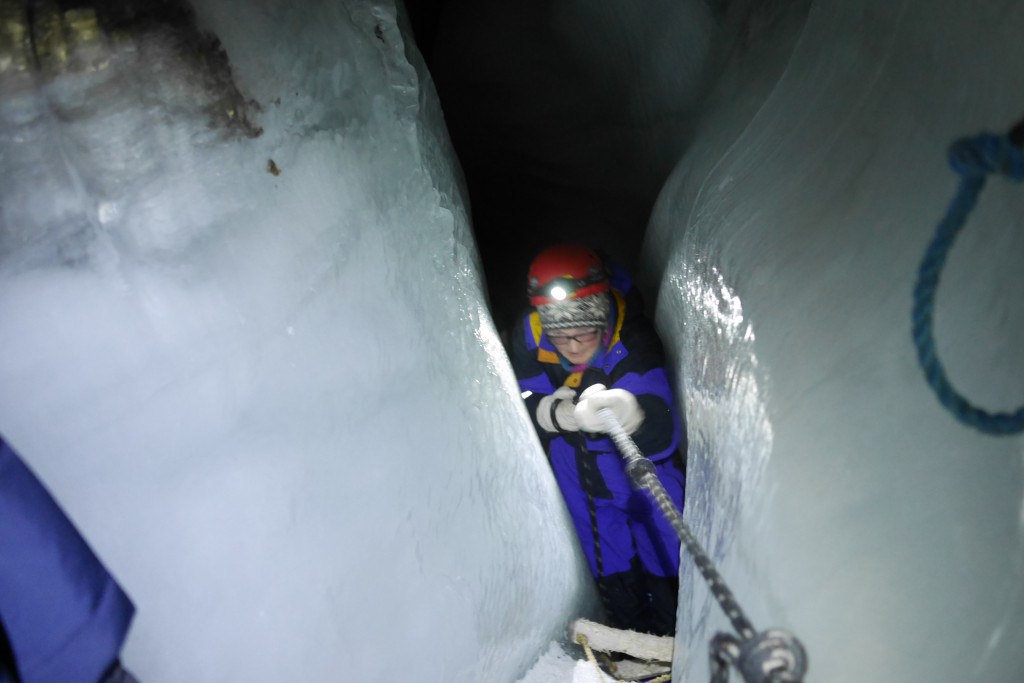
{"x": 565, "y": 271}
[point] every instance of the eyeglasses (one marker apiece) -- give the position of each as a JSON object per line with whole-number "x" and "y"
{"x": 581, "y": 338}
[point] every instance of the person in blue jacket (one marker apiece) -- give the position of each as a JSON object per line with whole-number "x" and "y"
{"x": 586, "y": 345}
{"x": 63, "y": 617}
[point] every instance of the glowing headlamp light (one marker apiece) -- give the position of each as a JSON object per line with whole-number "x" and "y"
{"x": 564, "y": 288}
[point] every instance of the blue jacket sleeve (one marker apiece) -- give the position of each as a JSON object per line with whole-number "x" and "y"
{"x": 528, "y": 371}
{"x": 64, "y": 614}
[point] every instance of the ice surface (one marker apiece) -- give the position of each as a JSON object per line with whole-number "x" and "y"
{"x": 843, "y": 501}
{"x": 557, "y": 666}
{"x": 277, "y": 406}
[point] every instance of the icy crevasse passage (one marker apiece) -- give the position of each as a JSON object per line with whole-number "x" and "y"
{"x": 277, "y": 409}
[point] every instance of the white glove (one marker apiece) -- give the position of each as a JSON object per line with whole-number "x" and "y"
{"x": 624, "y": 404}
{"x": 563, "y": 419}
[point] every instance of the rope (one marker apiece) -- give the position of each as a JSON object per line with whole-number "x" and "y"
{"x": 973, "y": 159}
{"x": 773, "y": 656}
{"x": 582, "y": 640}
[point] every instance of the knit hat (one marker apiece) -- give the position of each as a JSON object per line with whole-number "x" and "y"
{"x": 587, "y": 312}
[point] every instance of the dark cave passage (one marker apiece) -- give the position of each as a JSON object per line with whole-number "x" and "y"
{"x": 561, "y": 122}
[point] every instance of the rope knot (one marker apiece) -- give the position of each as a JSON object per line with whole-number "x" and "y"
{"x": 988, "y": 153}
{"x": 972, "y": 158}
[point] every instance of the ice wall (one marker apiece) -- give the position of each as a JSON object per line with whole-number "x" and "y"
{"x": 843, "y": 501}
{"x": 258, "y": 371}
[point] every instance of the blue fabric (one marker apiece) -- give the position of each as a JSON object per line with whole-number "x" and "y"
{"x": 625, "y": 524}
{"x": 615, "y": 523}
{"x": 64, "y": 614}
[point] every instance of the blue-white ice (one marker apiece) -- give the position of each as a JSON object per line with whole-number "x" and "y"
{"x": 849, "y": 505}
{"x": 278, "y": 409}
{"x": 276, "y": 405}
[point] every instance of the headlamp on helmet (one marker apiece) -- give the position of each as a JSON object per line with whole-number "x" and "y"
{"x": 565, "y": 272}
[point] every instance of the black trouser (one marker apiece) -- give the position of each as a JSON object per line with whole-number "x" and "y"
{"x": 639, "y": 601}
{"x": 118, "y": 674}
{"x": 8, "y": 672}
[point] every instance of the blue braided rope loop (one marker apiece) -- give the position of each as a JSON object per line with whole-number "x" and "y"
{"x": 973, "y": 158}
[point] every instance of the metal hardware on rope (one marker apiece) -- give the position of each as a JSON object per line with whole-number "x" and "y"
{"x": 773, "y": 656}
{"x": 972, "y": 158}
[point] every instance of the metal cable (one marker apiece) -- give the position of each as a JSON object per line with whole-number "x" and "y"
{"x": 773, "y": 656}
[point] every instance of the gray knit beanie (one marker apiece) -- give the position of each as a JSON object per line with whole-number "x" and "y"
{"x": 590, "y": 311}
